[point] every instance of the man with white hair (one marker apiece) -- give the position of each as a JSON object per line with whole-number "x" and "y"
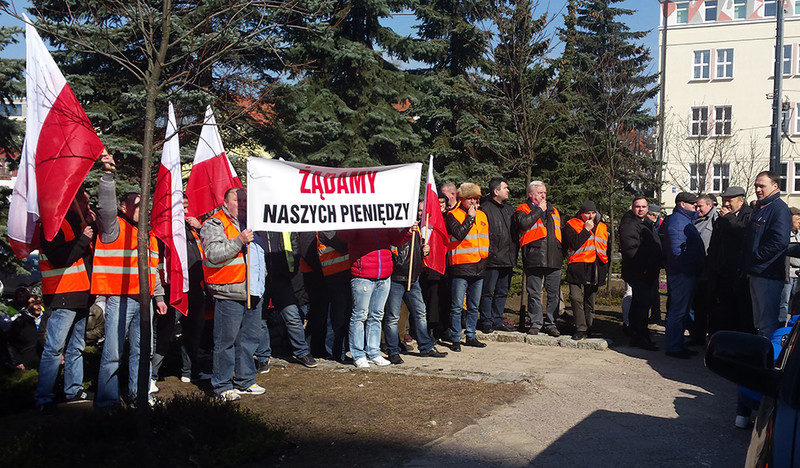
{"x": 540, "y": 242}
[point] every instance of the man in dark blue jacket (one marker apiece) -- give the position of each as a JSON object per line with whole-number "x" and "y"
{"x": 684, "y": 253}
{"x": 765, "y": 243}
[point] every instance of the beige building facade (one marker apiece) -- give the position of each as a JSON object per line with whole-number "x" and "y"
{"x": 718, "y": 84}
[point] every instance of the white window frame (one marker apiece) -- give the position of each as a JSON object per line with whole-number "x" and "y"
{"x": 724, "y": 64}
{"x": 773, "y": 5}
{"x": 720, "y": 177}
{"x": 699, "y": 65}
{"x": 739, "y": 9}
{"x": 710, "y": 5}
{"x": 787, "y": 59}
{"x": 797, "y": 7}
{"x": 723, "y": 116}
{"x": 682, "y": 10}
{"x": 783, "y": 182}
{"x": 698, "y": 121}
{"x": 796, "y": 177}
{"x": 698, "y": 174}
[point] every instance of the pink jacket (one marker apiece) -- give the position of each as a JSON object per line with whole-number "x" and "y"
{"x": 370, "y": 253}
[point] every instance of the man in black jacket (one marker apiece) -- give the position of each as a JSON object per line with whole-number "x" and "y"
{"x": 501, "y": 260}
{"x": 641, "y": 265}
{"x": 540, "y": 240}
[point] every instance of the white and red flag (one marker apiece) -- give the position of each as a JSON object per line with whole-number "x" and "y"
{"x": 434, "y": 231}
{"x": 59, "y": 150}
{"x": 167, "y": 217}
{"x": 212, "y": 173}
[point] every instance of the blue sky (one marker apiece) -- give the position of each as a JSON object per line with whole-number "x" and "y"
{"x": 645, "y": 19}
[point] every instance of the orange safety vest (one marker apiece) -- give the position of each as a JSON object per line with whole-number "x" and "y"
{"x": 332, "y": 260}
{"x": 538, "y": 230}
{"x": 232, "y": 270}
{"x": 596, "y": 246}
{"x": 475, "y": 246}
{"x": 115, "y": 270}
{"x": 73, "y": 278}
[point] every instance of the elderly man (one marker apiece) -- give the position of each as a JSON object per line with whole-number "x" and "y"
{"x": 707, "y": 215}
{"x": 586, "y": 238}
{"x": 237, "y": 317}
{"x": 501, "y": 260}
{"x": 641, "y": 264}
{"x": 731, "y": 304}
{"x": 466, "y": 256}
{"x": 765, "y": 243}
{"x": 542, "y": 255}
{"x": 684, "y": 254}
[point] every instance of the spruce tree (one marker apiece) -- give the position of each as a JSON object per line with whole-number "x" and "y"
{"x": 11, "y": 87}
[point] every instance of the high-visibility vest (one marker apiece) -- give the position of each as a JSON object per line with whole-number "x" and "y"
{"x": 115, "y": 269}
{"x": 332, "y": 260}
{"x": 475, "y": 246}
{"x": 230, "y": 271}
{"x": 539, "y": 230}
{"x": 596, "y": 246}
{"x": 73, "y": 278}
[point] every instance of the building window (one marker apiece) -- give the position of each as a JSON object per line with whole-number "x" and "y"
{"x": 720, "y": 177}
{"x": 770, "y": 8}
{"x": 699, "y": 124}
{"x": 797, "y": 7}
{"x": 724, "y": 63}
{"x": 10, "y": 110}
{"x": 787, "y": 60}
{"x": 796, "y": 177}
{"x": 739, "y": 9}
{"x": 682, "y": 12}
{"x": 702, "y": 64}
{"x": 797, "y": 118}
{"x": 783, "y": 179}
{"x": 711, "y": 10}
{"x": 697, "y": 177}
{"x": 722, "y": 120}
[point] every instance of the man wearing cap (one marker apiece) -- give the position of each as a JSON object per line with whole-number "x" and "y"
{"x": 706, "y": 219}
{"x": 540, "y": 240}
{"x": 765, "y": 242}
{"x": 641, "y": 264}
{"x": 467, "y": 250}
{"x": 684, "y": 254}
{"x": 586, "y": 238}
{"x": 731, "y": 304}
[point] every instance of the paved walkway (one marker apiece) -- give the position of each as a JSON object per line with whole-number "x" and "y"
{"x": 618, "y": 407}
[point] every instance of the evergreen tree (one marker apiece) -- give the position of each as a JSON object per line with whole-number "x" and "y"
{"x": 11, "y": 87}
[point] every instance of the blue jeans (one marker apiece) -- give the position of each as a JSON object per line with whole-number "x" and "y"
{"x": 122, "y": 321}
{"x": 680, "y": 288}
{"x": 237, "y": 332}
{"x": 766, "y": 296}
{"x": 786, "y": 298}
{"x": 264, "y": 349}
{"x": 294, "y": 327}
{"x": 496, "y": 282}
{"x": 470, "y": 287}
{"x": 65, "y": 335}
{"x": 416, "y": 306}
{"x": 369, "y": 299}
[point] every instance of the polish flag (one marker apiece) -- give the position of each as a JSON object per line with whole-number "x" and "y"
{"x": 167, "y": 217}
{"x": 60, "y": 148}
{"x": 212, "y": 173}
{"x": 434, "y": 231}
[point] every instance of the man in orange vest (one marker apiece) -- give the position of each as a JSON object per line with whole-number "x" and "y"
{"x": 467, "y": 251}
{"x": 540, "y": 242}
{"x": 115, "y": 275}
{"x": 237, "y": 324}
{"x": 334, "y": 258}
{"x": 66, "y": 263}
{"x": 586, "y": 238}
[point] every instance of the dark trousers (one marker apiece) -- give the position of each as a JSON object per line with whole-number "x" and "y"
{"x": 582, "y": 297}
{"x": 551, "y": 278}
{"x": 732, "y": 307}
{"x": 496, "y": 282}
{"x": 317, "y": 317}
{"x": 340, "y": 308}
{"x": 641, "y": 303}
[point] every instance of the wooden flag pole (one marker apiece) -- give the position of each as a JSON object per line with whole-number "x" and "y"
{"x": 247, "y": 267}
{"x": 411, "y": 260}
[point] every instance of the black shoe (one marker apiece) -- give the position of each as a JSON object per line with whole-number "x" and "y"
{"x": 553, "y": 331}
{"x": 433, "y": 352}
{"x": 475, "y": 343}
{"x": 81, "y": 397}
{"x": 456, "y": 347}
{"x": 504, "y": 328}
{"x": 580, "y": 335}
{"x": 644, "y": 344}
{"x": 262, "y": 367}
{"x": 306, "y": 360}
{"x": 682, "y": 354}
{"x": 486, "y": 330}
{"x": 395, "y": 359}
{"x": 533, "y": 331}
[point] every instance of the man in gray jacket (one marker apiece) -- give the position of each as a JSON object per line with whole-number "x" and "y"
{"x": 237, "y": 315}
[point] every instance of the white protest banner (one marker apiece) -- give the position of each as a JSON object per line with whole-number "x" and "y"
{"x": 285, "y": 196}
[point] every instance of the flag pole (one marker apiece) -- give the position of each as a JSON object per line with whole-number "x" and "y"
{"x": 80, "y": 213}
{"x": 247, "y": 267}
{"x": 411, "y": 260}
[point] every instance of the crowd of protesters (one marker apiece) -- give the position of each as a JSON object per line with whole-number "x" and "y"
{"x": 336, "y": 294}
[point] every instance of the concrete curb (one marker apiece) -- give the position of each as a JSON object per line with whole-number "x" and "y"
{"x": 542, "y": 339}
